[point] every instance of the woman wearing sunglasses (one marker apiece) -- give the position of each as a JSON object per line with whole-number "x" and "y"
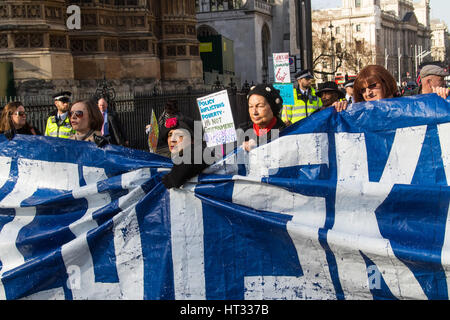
{"x": 87, "y": 121}
{"x": 372, "y": 83}
{"x": 13, "y": 121}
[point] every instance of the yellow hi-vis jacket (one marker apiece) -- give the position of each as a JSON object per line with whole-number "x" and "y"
{"x": 58, "y": 129}
{"x": 303, "y": 106}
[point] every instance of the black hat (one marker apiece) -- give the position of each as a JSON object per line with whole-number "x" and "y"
{"x": 349, "y": 83}
{"x": 330, "y": 86}
{"x": 304, "y": 74}
{"x": 62, "y": 96}
{"x": 178, "y": 122}
{"x": 271, "y": 94}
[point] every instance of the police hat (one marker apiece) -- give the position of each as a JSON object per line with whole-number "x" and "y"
{"x": 304, "y": 74}
{"x": 349, "y": 83}
{"x": 62, "y": 96}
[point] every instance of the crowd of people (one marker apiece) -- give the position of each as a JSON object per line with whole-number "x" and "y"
{"x": 84, "y": 120}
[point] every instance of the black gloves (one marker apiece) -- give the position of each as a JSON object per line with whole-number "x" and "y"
{"x": 100, "y": 141}
{"x": 9, "y": 134}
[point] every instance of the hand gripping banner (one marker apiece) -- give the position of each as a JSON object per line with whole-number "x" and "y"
{"x": 351, "y": 205}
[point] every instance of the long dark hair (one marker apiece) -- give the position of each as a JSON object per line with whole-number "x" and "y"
{"x": 5, "y": 119}
{"x": 95, "y": 116}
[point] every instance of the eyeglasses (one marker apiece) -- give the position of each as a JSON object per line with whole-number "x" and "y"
{"x": 20, "y": 113}
{"x": 373, "y": 86}
{"x": 78, "y": 114}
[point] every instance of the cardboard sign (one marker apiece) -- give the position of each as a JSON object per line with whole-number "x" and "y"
{"x": 281, "y": 68}
{"x": 217, "y": 118}
{"x": 286, "y": 92}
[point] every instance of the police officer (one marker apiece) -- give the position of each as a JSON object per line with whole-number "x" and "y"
{"x": 306, "y": 101}
{"x": 58, "y": 125}
{"x": 348, "y": 86}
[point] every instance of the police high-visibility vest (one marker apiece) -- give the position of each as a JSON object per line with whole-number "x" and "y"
{"x": 58, "y": 129}
{"x": 301, "y": 108}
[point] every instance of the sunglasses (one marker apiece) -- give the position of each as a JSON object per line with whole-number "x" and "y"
{"x": 371, "y": 87}
{"x": 64, "y": 100}
{"x": 20, "y": 113}
{"x": 78, "y": 114}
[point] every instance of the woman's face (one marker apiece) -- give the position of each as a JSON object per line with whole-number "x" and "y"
{"x": 373, "y": 91}
{"x": 19, "y": 117}
{"x": 259, "y": 109}
{"x": 177, "y": 139}
{"x": 79, "y": 118}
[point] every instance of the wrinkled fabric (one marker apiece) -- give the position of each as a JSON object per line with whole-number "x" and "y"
{"x": 350, "y": 205}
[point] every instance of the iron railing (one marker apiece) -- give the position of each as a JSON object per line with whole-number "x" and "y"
{"x": 135, "y": 109}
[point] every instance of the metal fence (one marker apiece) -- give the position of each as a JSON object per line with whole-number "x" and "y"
{"x": 135, "y": 109}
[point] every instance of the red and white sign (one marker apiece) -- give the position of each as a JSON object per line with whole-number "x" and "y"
{"x": 281, "y": 68}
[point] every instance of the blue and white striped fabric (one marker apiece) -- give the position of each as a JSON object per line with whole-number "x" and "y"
{"x": 352, "y": 205}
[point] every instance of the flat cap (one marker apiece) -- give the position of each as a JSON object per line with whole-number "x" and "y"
{"x": 432, "y": 70}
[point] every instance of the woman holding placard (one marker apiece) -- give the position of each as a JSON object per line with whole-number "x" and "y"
{"x": 264, "y": 106}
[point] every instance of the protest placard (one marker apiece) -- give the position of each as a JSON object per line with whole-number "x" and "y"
{"x": 153, "y": 132}
{"x": 281, "y": 68}
{"x": 217, "y": 118}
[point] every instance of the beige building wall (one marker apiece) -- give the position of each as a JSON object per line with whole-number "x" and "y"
{"x": 388, "y": 31}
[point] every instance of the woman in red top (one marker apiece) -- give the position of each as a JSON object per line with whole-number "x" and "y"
{"x": 264, "y": 106}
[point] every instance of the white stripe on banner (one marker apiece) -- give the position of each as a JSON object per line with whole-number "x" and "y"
{"x": 5, "y": 167}
{"x": 32, "y": 175}
{"x": 309, "y": 214}
{"x": 76, "y": 254}
{"x": 444, "y": 137}
{"x": 127, "y": 242}
{"x": 127, "y": 238}
{"x": 186, "y": 219}
{"x": 267, "y": 159}
{"x": 356, "y": 226}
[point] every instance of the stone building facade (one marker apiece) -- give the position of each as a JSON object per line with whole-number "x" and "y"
{"x": 137, "y": 44}
{"x": 258, "y": 28}
{"x": 440, "y": 48}
{"x": 391, "y": 33}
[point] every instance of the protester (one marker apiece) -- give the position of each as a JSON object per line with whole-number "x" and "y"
{"x": 432, "y": 80}
{"x": 13, "y": 121}
{"x": 264, "y": 106}
{"x": 178, "y": 132}
{"x": 171, "y": 110}
{"x": 87, "y": 120}
{"x": 58, "y": 125}
{"x": 111, "y": 128}
{"x": 372, "y": 83}
{"x": 348, "y": 86}
{"x": 329, "y": 93}
{"x": 306, "y": 101}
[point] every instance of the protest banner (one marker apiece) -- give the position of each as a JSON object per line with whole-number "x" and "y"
{"x": 217, "y": 118}
{"x": 357, "y": 208}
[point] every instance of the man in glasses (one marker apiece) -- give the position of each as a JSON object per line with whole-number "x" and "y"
{"x": 58, "y": 125}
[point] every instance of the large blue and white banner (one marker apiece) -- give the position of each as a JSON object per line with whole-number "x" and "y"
{"x": 351, "y": 205}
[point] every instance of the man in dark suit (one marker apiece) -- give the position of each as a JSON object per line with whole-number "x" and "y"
{"x": 112, "y": 129}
